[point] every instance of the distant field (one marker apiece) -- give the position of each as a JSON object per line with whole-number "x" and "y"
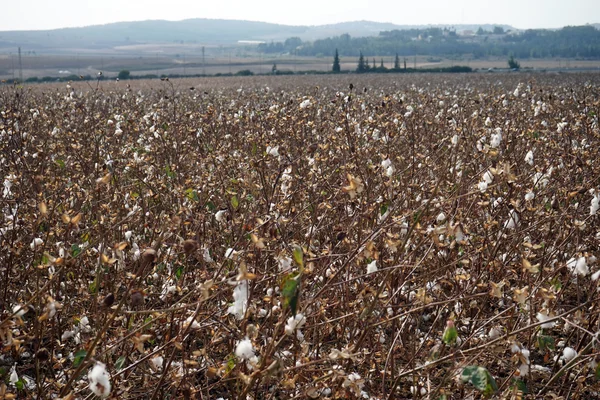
{"x": 230, "y": 61}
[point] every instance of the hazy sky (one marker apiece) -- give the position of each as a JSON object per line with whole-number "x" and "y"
{"x": 48, "y": 14}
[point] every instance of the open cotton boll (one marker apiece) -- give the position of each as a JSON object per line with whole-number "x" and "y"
{"x": 569, "y": 353}
{"x": 542, "y": 317}
{"x": 240, "y": 300}
{"x": 294, "y": 324}
{"x": 244, "y": 349}
{"x": 578, "y": 266}
{"x": 488, "y": 177}
{"x": 372, "y": 267}
{"x": 529, "y": 196}
{"x": 529, "y": 157}
{"x": 595, "y": 205}
{"x": 512, "y": 221}
{"x": 14, "y": 377}
{"x": 220, "y": 215}
{"x": 273, "y": 151}
{"x": 99, "y": 380}
{"x": 482, "y": 186}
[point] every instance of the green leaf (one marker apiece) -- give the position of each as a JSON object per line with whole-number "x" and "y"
{"x": 383, "y": 209}
{"x": 93, "y": 286}
{"x": 480, "y": 378}
{"x": 75, "y": 250}
{"x": 170, "y": 173}
{"x": 60, "y": 163}
{"x": 521, "y": 386}
{"x": 230, "y": 364}
{"x": 211, "y": 207}
{"x": 234, "y": 202}
{"x": 450, "y": 334}
{"x": 299, "y": 256}
{"x": 20, "y": 384}
{"x": 179, "y": 272}
{"x": 79, "y": 357}
{"x": 545, "y": 342}
{"x": 120, "y": 363}
{"x": 291, "y": 291}
{"x": 192, "y": 194}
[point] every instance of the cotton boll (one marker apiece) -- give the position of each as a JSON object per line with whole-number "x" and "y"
{"x": 529, "y": 196}
{"x": 569, "y": 353}
{"x": 454, "y": 140}
{"x": 220, "y": 215}
{"x": 482, "y": 186}
{"x": 542, "y": 317}
{"x": 244, "y": 349}
{"x": 372, "y": 267}
{"x": 529, "y": 157}
{"x": 441, "y": 217}
{"x": 578, "y": 266}
{"x": 512, "y": 221}
{"x": 488, "y": 177}
{"x": 157, "y": 362}
{"x": 595, "y": 205}
{"x": 99, "y": 380}
{"x": 14, "y": 377}
{"x": 240, "y": 300}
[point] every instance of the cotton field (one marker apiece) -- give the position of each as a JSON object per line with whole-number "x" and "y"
{"x": 372, "y": 237}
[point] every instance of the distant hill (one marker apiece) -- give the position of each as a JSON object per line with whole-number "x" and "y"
{"x": 209, "y": 32}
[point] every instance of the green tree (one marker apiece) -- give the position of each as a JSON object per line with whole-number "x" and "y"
{"x": 274, "y": 69}
{"x": 498, "y": 30}
{"x": 124, "y": 74}
{"x": 381, "y": 66}
{"x": 336, "y": 62}
{"x": 361, "y": 64}
{"x": 397, "y": 62}
{"x": 512, "y": 63}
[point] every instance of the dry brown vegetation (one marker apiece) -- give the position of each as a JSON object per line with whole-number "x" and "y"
{"x": 170, "y": 231}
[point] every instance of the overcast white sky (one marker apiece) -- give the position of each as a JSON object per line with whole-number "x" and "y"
{"x": 49, "y": 14}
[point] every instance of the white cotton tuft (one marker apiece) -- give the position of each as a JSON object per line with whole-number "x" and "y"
{"x": 543, "y": 317}
{"x": 441, "y": 217}
{"x": 454, "y": 140}
{"x": 512, "y": 221}
{"x": 273, "y": 151}
{"x": 595, "y": 205}
{"x": 569, "y": 353}
{"x": 220, "y": 215}
{"x": 36, "y": 243}
{"x": 294, "y": 324}
{"x": 482, "y": 186}
{"x": 157, "y": 362}
{"x": 372, "y": 267}
{"x": 488, "y": 177}
{"x": 529, "y": 157}
{"x": 529, "y": 196}
{"x": 578, "y": 266}
{"x": 99, "y": 380}
{"x": 285, "y": 264}
{"x": 14, "y": 377}
{"x": 240, "y": 300}
{"x": 244, "y": 349}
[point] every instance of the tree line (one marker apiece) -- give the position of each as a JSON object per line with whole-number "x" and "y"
{"x": 568, "y": 42}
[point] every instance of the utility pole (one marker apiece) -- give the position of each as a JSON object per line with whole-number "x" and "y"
{"x": 20, "y": 67}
